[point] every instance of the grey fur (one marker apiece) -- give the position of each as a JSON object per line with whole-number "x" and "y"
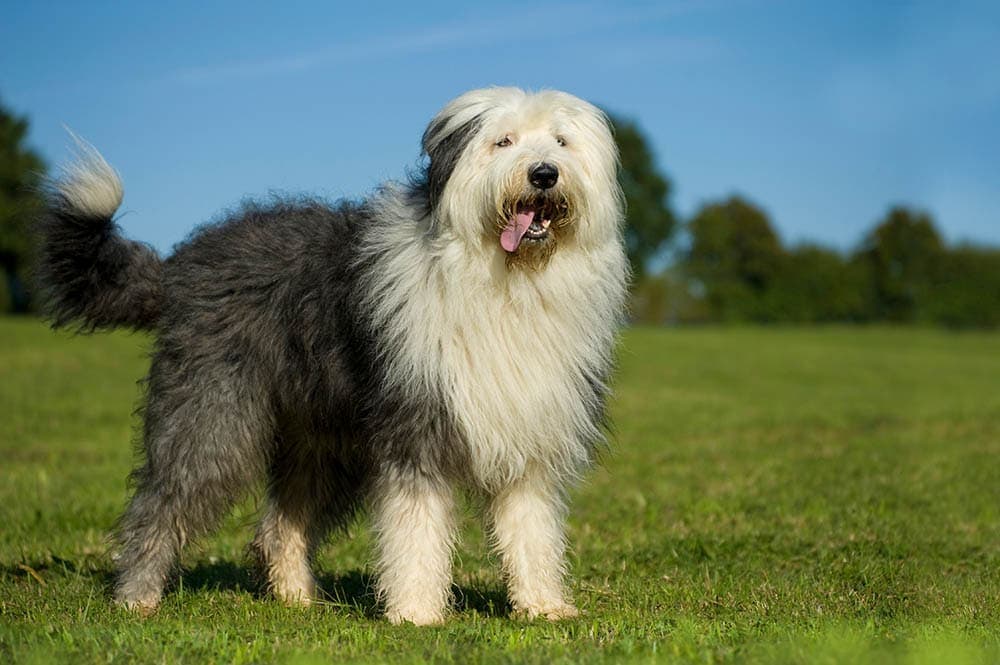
{"x": 444, "y": 155}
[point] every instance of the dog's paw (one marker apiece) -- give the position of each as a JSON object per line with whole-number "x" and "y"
{"x": 139, "y": 607}
{"x": 555, "y": 611}
{"x": 300, "y": 594}
{"x": 418, "y": 616}
{"x": 295, "y": 597}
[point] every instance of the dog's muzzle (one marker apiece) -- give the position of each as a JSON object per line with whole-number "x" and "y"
{"x": 530, "y": 220}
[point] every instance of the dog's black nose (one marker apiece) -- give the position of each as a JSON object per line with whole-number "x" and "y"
{"x": 543, "y": 175}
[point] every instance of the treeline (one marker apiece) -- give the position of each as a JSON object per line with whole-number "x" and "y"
{"x": 734, "y": 268}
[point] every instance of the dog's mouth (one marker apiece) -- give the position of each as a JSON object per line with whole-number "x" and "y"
{"x": 529, "y": 222}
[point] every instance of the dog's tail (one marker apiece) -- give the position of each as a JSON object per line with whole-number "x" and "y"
{"x": 89, "y": 275}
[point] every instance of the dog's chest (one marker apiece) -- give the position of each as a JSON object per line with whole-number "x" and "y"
{"x": 515, "y": 377}
{"x": 517, "y": 361}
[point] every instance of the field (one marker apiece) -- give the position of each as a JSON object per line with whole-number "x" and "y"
{"x": 772, "y": 495}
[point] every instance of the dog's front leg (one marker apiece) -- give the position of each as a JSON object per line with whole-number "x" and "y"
{"x": 414, "y": 523}
{"x": 527, "y": 519}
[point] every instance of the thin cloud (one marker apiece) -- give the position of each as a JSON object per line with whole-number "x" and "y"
{"x": 664, "y": 50}
{"x": 557, "y": 21}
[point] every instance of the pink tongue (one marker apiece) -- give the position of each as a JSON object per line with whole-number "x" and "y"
{"x": 516, "y": 227}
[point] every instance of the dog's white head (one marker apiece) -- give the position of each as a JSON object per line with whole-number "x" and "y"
{"x": 523, "y": 173}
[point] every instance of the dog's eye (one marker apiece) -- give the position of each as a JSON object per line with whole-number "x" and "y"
{"x": 561, "y": 141}
{"x": 504, "y": 142}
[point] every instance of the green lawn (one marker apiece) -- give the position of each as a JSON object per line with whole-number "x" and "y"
{"x": 775, "y": 495}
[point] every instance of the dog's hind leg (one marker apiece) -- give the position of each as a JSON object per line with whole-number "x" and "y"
{"x": 205, "y": 443}
{"x": 310, "y": 491}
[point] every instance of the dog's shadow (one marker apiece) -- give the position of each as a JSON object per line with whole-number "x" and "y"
{"x": 353, "y": 591}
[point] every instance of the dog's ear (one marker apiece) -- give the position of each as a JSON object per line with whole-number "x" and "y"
{"x": 443, "y": 143}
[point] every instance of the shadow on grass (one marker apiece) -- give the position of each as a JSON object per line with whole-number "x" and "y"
{"x": 491, "y": 602}
{"x": 353, "y": 590}
{"x": 44, "y": 569}
{"x": 220, "y": 576}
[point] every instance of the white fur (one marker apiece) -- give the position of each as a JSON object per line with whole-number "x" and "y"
{"x": 283, "y": 544}
{"x": 527, "y": 520}
{"x": 88, "y": 185}
{"x": 414, "y": 522}
{"x": 487, "y": 175}
{"x": 511, "y": 348}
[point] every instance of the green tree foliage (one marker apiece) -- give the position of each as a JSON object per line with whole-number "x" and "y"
{"x": 650, "y": 221}
{"x": 905, "y": 255}
{"x": 5, "y": 303}
{"x": 666, "y": 298}
{"x": 20, "y": 175}
{"x": 902, "y": 273}
{"x": 967, "y": 291}
{"x": 817, "y": 285}
{"x": 734, "y": 258}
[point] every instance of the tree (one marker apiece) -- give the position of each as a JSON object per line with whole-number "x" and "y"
{"x": 816, "y": 285}
{"x": 650, "y": 222}
{"x": 967, "y": 291}
{"x": 734, "y": 258}
{"x": 904, "y": 254}
{"x": 21, "y": 171}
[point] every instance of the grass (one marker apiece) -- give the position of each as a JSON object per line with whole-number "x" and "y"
{"x": 778, "y": 495}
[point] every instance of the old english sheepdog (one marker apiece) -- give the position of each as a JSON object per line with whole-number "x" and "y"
{"x": 453, "y": 331}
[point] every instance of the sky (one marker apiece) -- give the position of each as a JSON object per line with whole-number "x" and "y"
{"x": 823, "y": 113}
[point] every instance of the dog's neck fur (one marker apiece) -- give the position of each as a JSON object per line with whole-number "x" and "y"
{"x": 521, "y": 356}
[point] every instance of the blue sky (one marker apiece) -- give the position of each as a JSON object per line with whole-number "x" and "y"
{"x": 824, "y": 113}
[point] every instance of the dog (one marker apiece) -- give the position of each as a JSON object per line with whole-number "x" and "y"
{"x": 453, "y": 331}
